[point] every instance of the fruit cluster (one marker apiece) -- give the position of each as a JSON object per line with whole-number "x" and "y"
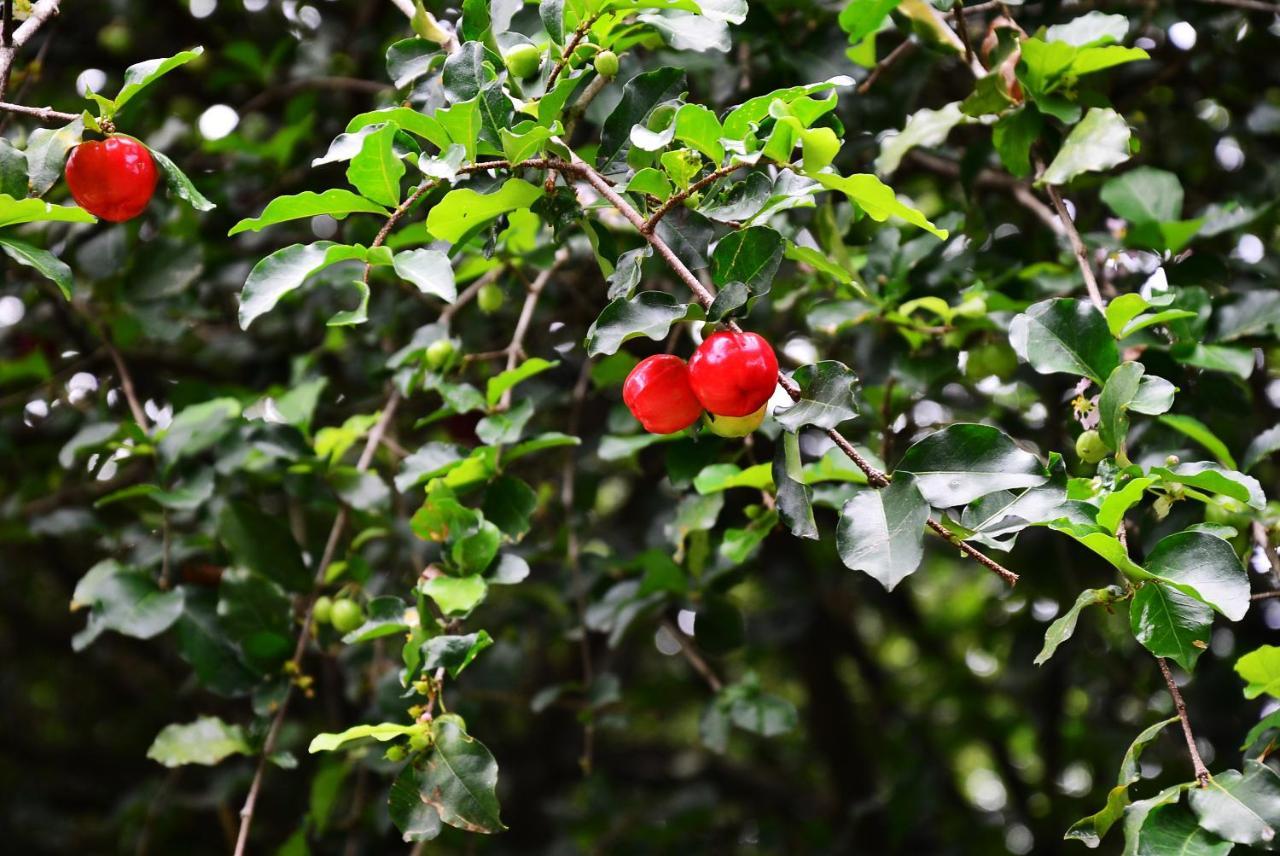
{"x": 731, "y": 376}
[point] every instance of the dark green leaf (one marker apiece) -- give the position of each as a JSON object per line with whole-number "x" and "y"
{"x": 1091, "y": 829}
{"x": 827, "y": 397}
{"x": 881, "y": 532}
{"x": 1065, "y": 626}
{"x": 124, "y": 599}
{"x": 454, "y": 653}
{"x": 43, "y": 261}
{"x": 459, "y": 777}
{"x": 750, "y": 256}
{"x": 262, "y": 543}
{"x": 1065, "y": 335}
{"x": 794, "y": 497}
{"x": 1240, "y": 807}
{"x": 639, "y": 96}
{"x": 960, "y": 463}
{"x": 649, "y": 313}
{"x": 1170, "y": 624}
{"x": 1204, "y": 567}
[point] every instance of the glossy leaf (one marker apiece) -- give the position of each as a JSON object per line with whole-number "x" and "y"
{"x": 459, "y": 777}
{"x": 960, "y": 463}
{"x": 206, "y": 741}
{"x": 1170, "y": 624}
{"x": 649, "y": 314}
{"x": 1065, "y": 335}
{"x": 881, "y": 532}
{"x": 1240, "y": 807}
{"x": 1091, "y": 829}
{"x": 462, "y": 210}
{"x": 1064, "y": 627}
{"x": 335, "y": 202}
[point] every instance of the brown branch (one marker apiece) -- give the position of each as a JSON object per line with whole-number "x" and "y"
{"x": 126, "y": 384}
{"x": 902, "y": 50}
{"x": 680, "y": 197}
{"x": 1202, "y": 772}
{"x": 563, "y": 61}
{"x": 990, "y": 178}
{"x": 304, "y": 633}
{"x": 579, "y": 108}
{"x": 1264, "y": 595}
{"x": 962, "y": 28}
{"x": 44, "y": 114}
{"x": 691, "y": 653}
{"x": 1077, "y": 244}
{"x": 573, "y": 558}
{"x": 516, "y": 348}
{"x": 1250, "y": 5}
{"x": 40, "y": 12}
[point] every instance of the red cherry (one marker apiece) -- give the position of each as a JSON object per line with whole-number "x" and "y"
{"x": 112, "y": 179}
{"x": 657, "y": 393}
{"x": 733, "y": 374}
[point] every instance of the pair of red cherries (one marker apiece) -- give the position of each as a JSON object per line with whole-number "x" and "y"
{"x": 731, "y": 375}
{"x": 112, "y": 179}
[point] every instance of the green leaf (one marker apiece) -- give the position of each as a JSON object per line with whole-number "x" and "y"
{"x": 1218, "y": 358}
{"x": 409, "y": 59}
{"x": 1212, "y": 477}
{"x": 1104, "y": 544}
{"x": 649, "y": 313}
{"x": 924, "y": 128}
{"x": 15, "y": 211}
{"x": 384, "y": 616}
{"x": 1240, "y": 807}
{"x": 640, "y": 96}
{"x": 697, "y": 127}
{"x": 1013, "y": 136}
{"x": 263, "y": 543}
{"x": 1114, "y": 505}
{"x": 962, "y": 462}
{"x": 1198, "y": 431}
{"x": 1260, "y": 669}
{"x": 1144, "y": 195}
{"x": 375, "y": 171}
{"x": 336, "y": 202}
{"x": 178, "y": 183}
{"x": 462, "y": 210}
{"x": 1091, "y": 829}
{"x": 509, "y": 503}
{"x": 286, "y": 270}
{"x": 429, "y": 270}
{"x": 750, "y": 256}
{"x": 382, "y": 732}
{"x": 459, "y": 778}
{"x": 474, "y": 552}
{"x": 1093, "y": 28}
{"x": 124, "y": 599}
{"x": 500, "y": 383}
{"x": 47, "y": 150}
{"x": 1170, "y": 624}
{"x": 876, "y": 199}
{"x": 720, "y": 477}
{"x": 456, "y": 595}
{"x": 1261, "y": 447}
{"x": 13, "y": 171}
{"x": 416, "y": 819}
{"x": 43, "y": 261}
{"x": 1113, "y": 404}
{"x": 506, "y": 427}
{"x": 1065, "y": 335}
{"x": 881, "y": 532}
{"x": 1204, "y": 567}
{"x": 206, "y": 741}
{"x": 827, "y": 397}
{"x": 464, "y": 72}
{"x": 794, "y": 497}
{"x": 1099, "y": 142}
{"x": 1064, "y": 627}
{"x": 863, "y": 18}
{"x": 454, "y": 653}
{"x": 197, "y": 428}
{"x": 1169, "y": 828}
{"x": 143, "y": 74}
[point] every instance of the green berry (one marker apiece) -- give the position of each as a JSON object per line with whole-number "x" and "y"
{"x": 737, "y": 426}
{"x": 523, "y": 60}
{"x": 490, "y": 299}
{"x": 347, "y": 615}
{"x": 607, "y": 63}
{"x": 322, "y": 612}
{"x": 1090, "y": 448}
{"x": 439, "y": 353}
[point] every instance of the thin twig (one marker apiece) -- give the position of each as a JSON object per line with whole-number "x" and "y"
{"x": 885, "y": 64}
{"x": 1077, "y": 244}
{"x": 516, "y": 349}
{"x": 680, "y": 197}
{"x": 1264, "y": 595}
{"x": 573, "y": 559}
{"x": 41, "y": 12}
{"x": 569, "y": 49}
{"x": 1263, "y": 542}
{"x": 468, "y": 294}
{"x": 44, "y": 114}
{"x": 962, "y": 29}
{"x": 304, "y": 633}
{"x": 1250, "y": 5}
{"x": 126, "y": 384}
{"x": 1202, "y": 772}
{"x": 579, "y": 108}
{"x": 691, "y": 653}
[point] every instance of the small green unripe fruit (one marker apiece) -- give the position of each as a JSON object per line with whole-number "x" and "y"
{"x": 115, "y": 37}
{"x": 347, "y": 615}
{"x": 523, "y": 60}
{"x": 439, "y": 353}
{"x": 1090, "y": 448}
{"x": 737, "y": 426}
{"x": 607, "y": 63}
{"x": 490, "y": 299}
{"x": 322, "y": 612}
{"x": 395, "y": 753}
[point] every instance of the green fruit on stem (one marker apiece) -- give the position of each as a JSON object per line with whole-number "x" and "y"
{"x": 322, "y": 612}
{"x": 347, "y": 615}
{"x": 439, "y": 353}
{"x": 737, "y": 426}
{"x": 490, "y": 299}
{"x": 607, "y": 63}
{"x": 1090, "y": 448}
{"x": 523, "y": 60}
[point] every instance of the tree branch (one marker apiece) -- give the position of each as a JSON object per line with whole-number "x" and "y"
{"x": 40, "y": 12}
{"x": 304, "y": 633}
{"x": 569, "y": 49}
{"x": 516, "y": 348}
{"x": 573, "y": 558}
{"x": 691, "y": 653}
{"x": 44, "y": 114}
{"x": 902, "y": 50}
{"x": 1202, "y": 772}
{"x": 680, "y": 197}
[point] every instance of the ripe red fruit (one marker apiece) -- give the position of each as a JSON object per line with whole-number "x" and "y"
{"x": 733, "y": 374}
{"x": 657, "y": 393}
{"x": 113, "y": 178}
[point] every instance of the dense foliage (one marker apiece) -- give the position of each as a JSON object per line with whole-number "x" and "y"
{"x": 328, "y": 454}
